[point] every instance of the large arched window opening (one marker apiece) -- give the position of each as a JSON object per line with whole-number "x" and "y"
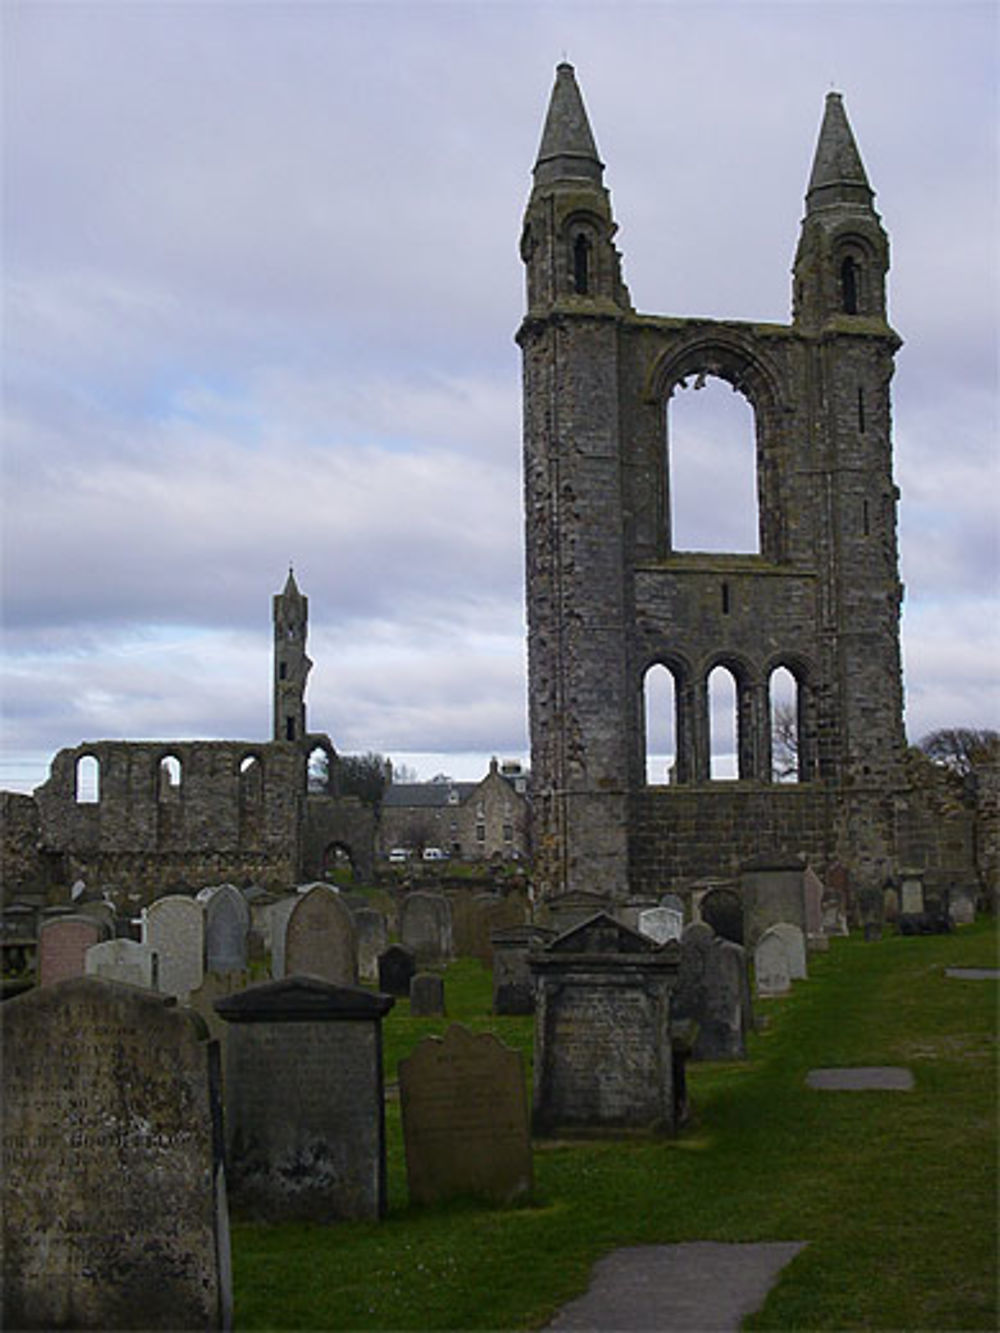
{"x": 786, "y": 748}
{"x": 723, "y": 724}
{"x": 711, "y": 444}
{"x": 660, "y": 710}
{"x": 87, "y": 788}
{"x": 318, "y": 771}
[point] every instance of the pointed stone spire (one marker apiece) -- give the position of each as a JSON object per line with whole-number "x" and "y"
{"x": 838, "y": 175}
{"x": 567, "y": 149}
{"x": 291, "y": 588}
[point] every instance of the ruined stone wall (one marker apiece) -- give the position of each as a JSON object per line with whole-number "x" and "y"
{"x": 23, "y": 868}
{"x": 338, "y": 822}
{"x": 232, "y": 812}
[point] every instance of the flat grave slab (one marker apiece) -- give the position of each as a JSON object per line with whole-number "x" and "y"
{"x": 700, "y": 1285}
{"x": 973, "y": 973}
{"x": 865, "y": 1078}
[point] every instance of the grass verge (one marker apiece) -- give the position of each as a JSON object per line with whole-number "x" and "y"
{"x": 895, "y": 1192}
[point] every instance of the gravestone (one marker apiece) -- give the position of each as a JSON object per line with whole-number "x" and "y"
{"x": 690, "y": 997}
{"x": 773, "y": 890}
{"x": 465, "y": 1119}
{"x": 722, "y": 909}
{"x": 673, "y": 900}
{"x": 276, "y": 930}
{"x": 425, "y": 927}
{"x": 114, "y": 1199}
{"x": 890, "y": 904}
{"x": 126, "y": 961}
{"x": 305, "y": 1130}
{"x": 565, "y": 910}
{"x": 426, "y": 995}
{"x": 63, "y": 942}
{"x": 770, "y": 963}
{"x": 603, "y": 1059}
{"x": 713, "y": 993}
{"x": 466, "y": 927}
{"x": 227, "y": 930}
{"x": 100, "y": 911}
{"x": 216, "y": 986}
{"x": 629, "y": 910}
{"x": 395, "y": 970}
{"x": 661, "y": 924}
{"x": 812, "y": 888}
{"x": 834, "y": 913}
{"x": 513, "y": 986}
{"x": 175, "y": 927}
{"x": 962, "y": 906}
{"x": 373, "y": 936}
{"x": 911, "y": 897}
{"x": 794, "y": 942}
{"x": 320, "y": 939}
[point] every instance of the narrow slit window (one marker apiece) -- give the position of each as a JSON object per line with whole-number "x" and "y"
{"x": 725, "y": 599}
{"x": 861, "y": 410}
{"x": 289, "y": 728}
{"x": 849, "y": 285}
{"x": 865, "y": 521}
{"x": 581, "y": 265}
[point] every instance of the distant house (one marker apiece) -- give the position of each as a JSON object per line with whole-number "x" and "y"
{"x": 470, "y": 821}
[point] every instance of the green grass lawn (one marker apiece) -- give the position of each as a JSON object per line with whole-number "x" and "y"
{"x": 895, "y": 1192}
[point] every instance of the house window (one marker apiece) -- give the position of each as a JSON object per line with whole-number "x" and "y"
{"x": 508, "y": 833}
{"x": 480, "y": 833}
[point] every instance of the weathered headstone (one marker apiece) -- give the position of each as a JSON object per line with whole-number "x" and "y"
{"x": 126, "y": 961}
{"x": 962, "y": 906}
{"x": 320, "y": 939}
{"x": 275, "y": 931}
{"x": 227, "y": 930}
{"x": 395, "y": 970}
{"x": 373, "y": 936}
{"x": 425, "y": 927}
{"x": 566, "y": 910}
{"x": 770, "y": 962}
{"x": 834, "y": 913}
{"x": 713, "y": 993}
{"x": 812, "y": 887}
{"x": 911, "y": 901}
{"x": 722, "y": 909}
{"x": 773, "y": 890}
{"x": 794, "y": 942}
{"x": 661, "y": 924}
{"x": 175, "y": 927}
{"x": 114, "y": 1202}
{"x": 890, "y": 904}
{"x": 63, "y": 942}
{"x": 426, "y": 995}
{"x": 513, "y": 986}
{"x": 465, "y": 1119}
{"x": 305, "y": 1131}
{"x": 673, "y": 900}
{"x": 603, "y": 1057}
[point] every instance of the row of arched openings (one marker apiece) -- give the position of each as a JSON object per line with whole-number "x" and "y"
{"x": 168, "y": 779}
{"x": 727, "y": 726}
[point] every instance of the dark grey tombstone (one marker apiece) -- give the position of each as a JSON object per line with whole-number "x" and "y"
{"x": 465, "y": 1119}
{"x": 305, "y": 1130}
{"x": 690, "y": 999}
{"x": 603, "y": 1058}
{"x": 227, "y": 930}
{"x": 566, "y": 910}
{"x": 425, "y": 927}
{"x": 722, "y": 909}
{"x": 396, "y": 968}
{"x": 426, "y": 995}
{"x": 726, "y": 1021}
{"x": 773, "y": 890}
{"x": 114, "y": 1200}
{"x": 513, "y": 985}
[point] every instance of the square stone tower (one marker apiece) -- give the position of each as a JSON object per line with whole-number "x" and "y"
{"x": 609, "y": 595}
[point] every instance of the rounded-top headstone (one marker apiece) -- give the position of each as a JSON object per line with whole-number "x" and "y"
{"x": 320, "y": 939}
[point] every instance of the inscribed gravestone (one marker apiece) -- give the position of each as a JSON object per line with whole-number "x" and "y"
{"x": 770, "y": 962}
{"x": 320, "y": 940}
{"x": 690, "y": 998}
{"x": 114, "y": 1207}
{"x": 603, "y": 1058}
{"x": 661, "y": 924}
{"x": 465, "y": 916}
{"x": 812, "y": 887}
{"x": 304, "y": 1101}
{"x": 276, "y": 929}
{"x": 126, "y": 961}
{"x": 227, "y": 930}
{"x": 723, "y": 1028}
{"x": 773, "y": 890}
{"x": 373, "y": 936}
{"x": 465, "y": 1118}
{"x": 795, "y": 945}
{"x": 425, "y": 927}
{"x": 395, "y": 970}
{"x": 912, "y": 895}
{"x": 513, "y": 986}
{"x": 63, "y": 942}
{"x": 722, "y": 909}
{"x": 426, "y": 995}
{"x": 175, "y": 927}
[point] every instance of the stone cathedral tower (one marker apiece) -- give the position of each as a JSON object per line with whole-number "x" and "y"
{"x": 609, "y": 595}
{"x": 291, "y": 665}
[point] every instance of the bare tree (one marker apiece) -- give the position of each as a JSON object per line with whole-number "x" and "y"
{"x": 962, "y": 750}
{"x": 784, "y": 743}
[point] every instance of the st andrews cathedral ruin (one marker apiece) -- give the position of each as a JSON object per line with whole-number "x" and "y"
{"x": 610, "y": 595}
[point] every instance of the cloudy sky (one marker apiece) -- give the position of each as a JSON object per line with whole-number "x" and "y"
{"x": 261, "y": 283}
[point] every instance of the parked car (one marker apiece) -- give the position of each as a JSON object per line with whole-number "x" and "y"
{"x": 435, "y": 854}
{"x": 399, "y": 855}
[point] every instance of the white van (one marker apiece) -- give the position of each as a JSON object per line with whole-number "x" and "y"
{"x": 435, "y": 854}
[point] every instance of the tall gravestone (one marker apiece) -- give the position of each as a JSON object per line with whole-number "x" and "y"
{"x": 227, "y": 930}
{"x": 773, "y": 890}
{"x": 722, "y": 909}
{"x": 275, "y": 932}
{"x": 320, "y": 939}
{"x": 513, "y": 985}
{"x": 114, "y": 1198}
{"x": 465, "y": 1119}
{"x": 396, "y": 969}
{"x": 63, "y": 942}
{"x": 795, "y": 947}
{"x": 603, "y": 1059}
{"x": 425, "y": 927}
{"x": 770, "y": 964}
{"x": 175, "y": 927}
{"x": 305, "y": 1130}
{"x": 713, "y": 993}
{"x": 127, "y": 961}
{"x": 373, "y": 937}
